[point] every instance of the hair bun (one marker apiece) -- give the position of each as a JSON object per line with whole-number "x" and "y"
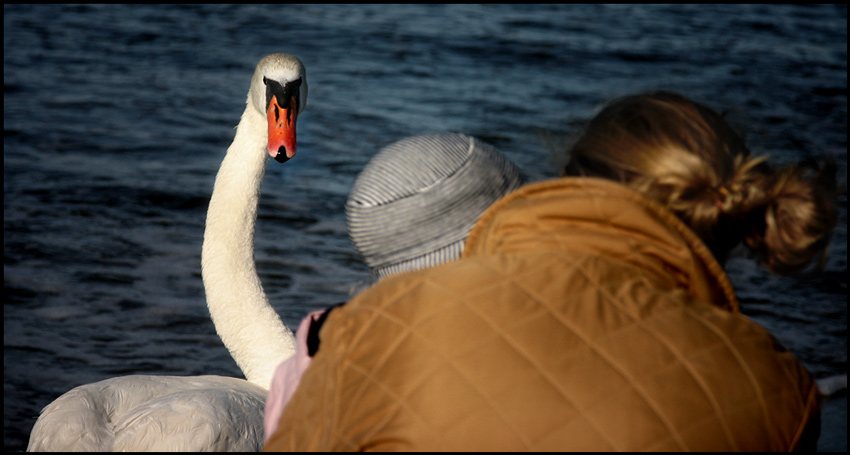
{"x": 799, "y": 218}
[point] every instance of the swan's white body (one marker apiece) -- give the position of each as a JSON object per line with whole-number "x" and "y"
{"x": 200, "y": 413}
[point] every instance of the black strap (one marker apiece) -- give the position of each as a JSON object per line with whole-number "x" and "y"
{"x": 313, "y": 333}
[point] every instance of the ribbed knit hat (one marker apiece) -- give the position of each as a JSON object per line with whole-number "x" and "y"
{"x": 414, "y": 203}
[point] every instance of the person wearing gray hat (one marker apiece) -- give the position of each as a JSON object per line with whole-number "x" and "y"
{"x": 411, "y": 207}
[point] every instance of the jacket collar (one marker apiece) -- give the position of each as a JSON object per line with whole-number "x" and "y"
{"x": 601, "y": 217}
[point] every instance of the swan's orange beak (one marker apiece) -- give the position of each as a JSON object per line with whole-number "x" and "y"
{"x": 281, "y": 122}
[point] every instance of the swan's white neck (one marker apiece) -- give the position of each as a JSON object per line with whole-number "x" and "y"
{"x": 249, "y": 327}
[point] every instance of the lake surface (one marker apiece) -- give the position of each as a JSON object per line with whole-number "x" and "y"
{"x": 116, "y": 119}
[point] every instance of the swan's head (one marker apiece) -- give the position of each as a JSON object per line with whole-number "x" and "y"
{"x": 279, "y": 91}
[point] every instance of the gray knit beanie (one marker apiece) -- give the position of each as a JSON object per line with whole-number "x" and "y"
{"x": 414, "y": 203}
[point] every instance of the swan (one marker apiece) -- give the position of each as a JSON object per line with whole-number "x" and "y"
{"x": 205, "y": 413}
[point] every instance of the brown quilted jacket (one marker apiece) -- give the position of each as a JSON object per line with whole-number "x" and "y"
{"x": 582, "y": 317}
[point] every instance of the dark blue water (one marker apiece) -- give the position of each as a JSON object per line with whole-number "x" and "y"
{"x": 117, "y": 117}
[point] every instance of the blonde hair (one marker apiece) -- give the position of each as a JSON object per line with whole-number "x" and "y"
{"x": 686, "y": 157}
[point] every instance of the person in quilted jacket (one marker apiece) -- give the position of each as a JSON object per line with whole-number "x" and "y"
{"x": 589, "y": 312}
{"x": 396, "y": 215}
